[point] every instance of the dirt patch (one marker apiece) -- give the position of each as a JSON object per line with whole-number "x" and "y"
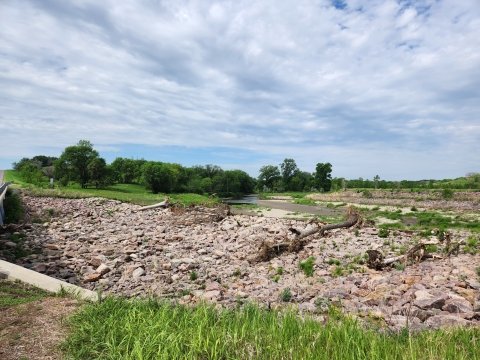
{"x": 33, "y": 330}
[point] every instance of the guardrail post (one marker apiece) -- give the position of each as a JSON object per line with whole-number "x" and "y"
{"x": 2, "y": 214}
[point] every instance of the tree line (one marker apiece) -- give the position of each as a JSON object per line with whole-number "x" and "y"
{"x": 83, "y": 165}
{"x": 288, "y": 177}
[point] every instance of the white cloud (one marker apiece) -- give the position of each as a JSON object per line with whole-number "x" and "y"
{"x": 281, "y": 79}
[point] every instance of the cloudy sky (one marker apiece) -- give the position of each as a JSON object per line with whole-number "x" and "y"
{"x": 385, "y": 87}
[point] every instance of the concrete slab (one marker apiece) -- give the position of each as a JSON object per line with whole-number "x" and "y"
{"x": 14, "y": 272}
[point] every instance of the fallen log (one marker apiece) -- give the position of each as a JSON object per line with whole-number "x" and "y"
{"x": 268, "y": 250}
{"x": 164, "y": 203}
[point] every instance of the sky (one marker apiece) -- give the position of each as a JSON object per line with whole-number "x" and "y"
{"x": 375, "y": 87}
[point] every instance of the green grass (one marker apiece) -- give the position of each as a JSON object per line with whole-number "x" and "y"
{"x": 307, "y": 266}
{"x": 148, "y": 329}
{"x": 15, "y": 293}
{"x": 132, "y": 193}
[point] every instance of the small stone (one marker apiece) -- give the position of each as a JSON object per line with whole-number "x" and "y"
{"x": 138, "y": 272}
{"x": 95, "y": 262}
{"x": 103, "y": 269}
{"x": 92, "y": 277}
{"x": 213, "y": 286}
{"x": 166, "y": 266}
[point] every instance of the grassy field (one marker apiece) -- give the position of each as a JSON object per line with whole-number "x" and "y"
{"x": 149, "y": 329}
{"x": 131, "y": 193}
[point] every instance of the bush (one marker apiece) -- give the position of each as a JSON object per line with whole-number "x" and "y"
{"x": 383, "y": 233}
{"x": 367, "y": 194}
{"x": 286, "y": 295}
{"x": 13, "y": 207}
{"x": 447, "y": 193}
{"x": 307, "y": 266}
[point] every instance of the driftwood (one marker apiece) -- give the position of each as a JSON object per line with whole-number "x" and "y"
{"x": 164, "y": 203}
{"x": 268, "y": 250}
{"x": 416, "y": 254}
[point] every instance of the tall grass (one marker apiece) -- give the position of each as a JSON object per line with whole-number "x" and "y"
{"x": 149, "y": 329}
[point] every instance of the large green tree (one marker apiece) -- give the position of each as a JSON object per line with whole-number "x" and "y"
{"x": 159, "y": 177}
{"x": 289, "y": 170}
{"x": 323, "y": 176}
{"x": 73, "y": 164}
{"x": 268, "y": 175}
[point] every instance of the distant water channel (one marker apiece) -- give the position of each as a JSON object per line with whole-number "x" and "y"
{"x": 247, "y": 199}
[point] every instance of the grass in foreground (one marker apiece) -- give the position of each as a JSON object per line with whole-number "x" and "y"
{"x": 149, "y": 329}
{"x": 15, "y": 293}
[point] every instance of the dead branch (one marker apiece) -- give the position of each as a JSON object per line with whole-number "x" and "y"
{"x": 164, "y": 203}
{"x": 415, "y": 254}
{"x": 269, "y": 250}
{"x": 456, "y": 247}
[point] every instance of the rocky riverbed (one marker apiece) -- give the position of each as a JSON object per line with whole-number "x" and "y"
{"x": 461, "y": 201}
{"x": 100, "y": 243}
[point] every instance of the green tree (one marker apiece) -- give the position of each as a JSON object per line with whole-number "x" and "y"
{"x": 376, "y": 179}
{"x": 268, "y": 175}
{"x": 289, "y": 170}
{"x": 323, "y": 176}
{"x": 74, "y": 161}
{"x": 159, "y": 177}
{"x": 97, "y": 171}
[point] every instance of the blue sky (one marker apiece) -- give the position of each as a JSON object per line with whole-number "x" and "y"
{"x": 372, "y": 86}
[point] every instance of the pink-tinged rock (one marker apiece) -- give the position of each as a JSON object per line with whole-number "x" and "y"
{"x": 468, "y": 294}
{"x": 212, "y": 295}
{"x": 473, "y": 284}
{"x": 439, "y": 321}
{"x": 92, "y": 277}
{"x": 307, "y": 307}
{"x": 137, "y": 273}
{"x": 213, "y": 286}
{"x": 457, "y": 307}
{"x": 401, "y": 321}
{"x": 96, "y": 262}
{"x": 436, "y": 302}
{"x": 422, "y": 295}
{"x": 103, "y": 269}
{"x": 166, "y": 266}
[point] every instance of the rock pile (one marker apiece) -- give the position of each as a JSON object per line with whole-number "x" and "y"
{"x": 431, "y": 200}
{"x": 99, "y": 243}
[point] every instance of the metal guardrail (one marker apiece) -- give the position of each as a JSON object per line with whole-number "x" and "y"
{"x": 3, "y": 192}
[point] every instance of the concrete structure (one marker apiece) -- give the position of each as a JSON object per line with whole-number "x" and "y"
{"x": 14, "y": 272}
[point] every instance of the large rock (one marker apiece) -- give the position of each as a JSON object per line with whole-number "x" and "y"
{"x": 439, "y": 321}
{"x": 437, "y": 302}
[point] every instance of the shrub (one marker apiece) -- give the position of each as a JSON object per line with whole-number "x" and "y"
{"x": 193, "y": 276}
{"x": 13, "y": 207}
{"x": 307, "y": 266}
{"x": 367, "y": 194}
{"x": 383, "y": 233}
{"x": 338, "y": 271}
{"x": 413, "y": 208}
{"x": 285, "y": 295}
{"x": 399, "y": 267}
{"x": 280, "y": 270}
{"x": 447, "y": 193}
